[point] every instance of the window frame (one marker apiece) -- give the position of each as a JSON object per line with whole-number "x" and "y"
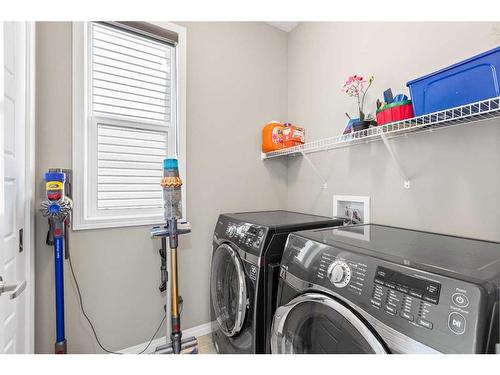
{"x": 84, "y": 140}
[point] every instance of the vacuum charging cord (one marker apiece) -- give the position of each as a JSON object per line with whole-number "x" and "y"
{"x": 92, "y": 325}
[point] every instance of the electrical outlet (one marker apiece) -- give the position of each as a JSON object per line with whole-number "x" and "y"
{"x": 355, "y": 209}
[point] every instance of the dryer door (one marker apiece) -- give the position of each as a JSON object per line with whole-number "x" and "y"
{"x": 228, "y": 290}
{"x": 315, "y": 323}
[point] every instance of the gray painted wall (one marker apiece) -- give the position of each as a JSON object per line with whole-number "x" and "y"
{"x": 236, "y": 82}
{"x": 455, "y": 172}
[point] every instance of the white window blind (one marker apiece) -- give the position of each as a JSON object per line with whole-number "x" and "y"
{"x": 131, "y": 79}
{"x": 129, "y": 167}
{"x": 131, "y": 75}
{"x": 129, "y": 106}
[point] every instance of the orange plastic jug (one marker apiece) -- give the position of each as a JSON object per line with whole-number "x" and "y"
{"x": 272, "y": 136}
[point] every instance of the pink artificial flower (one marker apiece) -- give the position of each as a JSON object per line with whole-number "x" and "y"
{"x": 354, "y": 87}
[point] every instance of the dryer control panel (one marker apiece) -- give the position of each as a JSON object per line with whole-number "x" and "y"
{"x": 245, "y": 234}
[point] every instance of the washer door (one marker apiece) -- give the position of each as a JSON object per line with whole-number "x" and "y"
{"x": 315, "y": 323}
{"x": 228, "y": 290}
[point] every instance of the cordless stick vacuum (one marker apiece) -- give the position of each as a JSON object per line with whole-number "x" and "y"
{"x": 171, "y": 183}
{"x": 57, "y": 208}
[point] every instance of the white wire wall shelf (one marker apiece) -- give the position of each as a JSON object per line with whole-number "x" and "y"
{"x": 466, "y": 114}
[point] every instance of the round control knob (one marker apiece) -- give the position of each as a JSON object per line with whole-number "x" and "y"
{"x": 231, "y": 230}
{"x": 339, "y": 273}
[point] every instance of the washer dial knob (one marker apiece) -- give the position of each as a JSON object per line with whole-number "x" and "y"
{"x": 339, "y": 273}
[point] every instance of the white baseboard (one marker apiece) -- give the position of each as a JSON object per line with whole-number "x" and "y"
{"x": 201, "y": 330}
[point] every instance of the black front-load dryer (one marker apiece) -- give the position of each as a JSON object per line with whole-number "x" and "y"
{"x": 247, "y": 250}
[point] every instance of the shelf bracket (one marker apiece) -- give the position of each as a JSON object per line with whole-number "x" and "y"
{"x": 407, "y": 183}
{"x": 315, "y": 169}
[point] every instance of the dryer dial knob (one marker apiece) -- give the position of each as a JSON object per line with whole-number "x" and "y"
{"x": 231, "y": 230}
{"x": 339, "y": 274}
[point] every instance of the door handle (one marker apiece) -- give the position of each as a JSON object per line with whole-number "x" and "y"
{"x": 14, "y": 290}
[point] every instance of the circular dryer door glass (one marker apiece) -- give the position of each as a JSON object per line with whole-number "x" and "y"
{"x": 314, "y": 323}
{"x": 228, "y": 290}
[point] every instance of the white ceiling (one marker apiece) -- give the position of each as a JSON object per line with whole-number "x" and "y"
{"x": 284, "y": 25}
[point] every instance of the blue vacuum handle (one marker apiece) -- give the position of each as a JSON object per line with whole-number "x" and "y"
{"x": 59, "y": 291}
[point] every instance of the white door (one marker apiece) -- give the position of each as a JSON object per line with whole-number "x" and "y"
{"x": 15, "y": 320}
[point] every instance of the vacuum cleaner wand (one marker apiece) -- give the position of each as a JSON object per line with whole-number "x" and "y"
{"x": 57, "y": 208}
{"x": 171, "y": 183}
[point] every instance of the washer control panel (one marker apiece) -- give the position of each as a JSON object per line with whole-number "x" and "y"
{"x": 246, "y": 234}
{"x": 416, "y": 287}
{"x": 342, "y": 273}
{"x": 403, "y": 294}
{"x": 444, "y": 310}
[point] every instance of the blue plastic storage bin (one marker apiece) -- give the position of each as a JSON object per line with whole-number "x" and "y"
{"x": 466, "y": 82}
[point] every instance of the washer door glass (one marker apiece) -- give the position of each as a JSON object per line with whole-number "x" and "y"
{"x": 228, "y": 290}
{"x": 315, "y": 323}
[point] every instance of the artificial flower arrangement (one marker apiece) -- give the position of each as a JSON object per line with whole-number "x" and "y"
{"x": 354, "y": 87}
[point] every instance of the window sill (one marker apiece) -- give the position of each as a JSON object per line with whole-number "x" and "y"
{"x": 107, "y": 223}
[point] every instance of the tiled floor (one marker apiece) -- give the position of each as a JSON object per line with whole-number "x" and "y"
{"x": 205, "y": 345}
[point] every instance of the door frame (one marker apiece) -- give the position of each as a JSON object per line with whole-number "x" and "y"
{"x": 30, "y": 180}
